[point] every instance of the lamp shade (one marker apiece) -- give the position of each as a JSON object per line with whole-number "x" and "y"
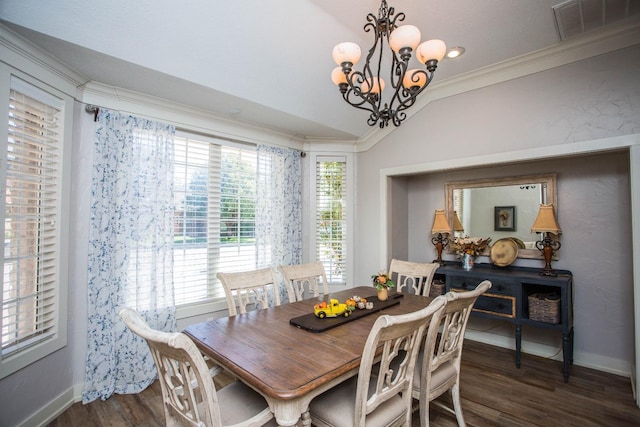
{"x": 378, "y": 86}
{"x": 440, "y": 223}
{"x": 338, "y": 76}
{"x": 404, "y": 36}
{"x": 546, "y": 221}
{"x": 431, "y": 49}
{"x": 414, "y": 78}
{"x": 457, "y": 225}
{"x": 346, "y": 52}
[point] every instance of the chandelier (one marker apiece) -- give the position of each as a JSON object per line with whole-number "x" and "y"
{"x": 364, "y": 89}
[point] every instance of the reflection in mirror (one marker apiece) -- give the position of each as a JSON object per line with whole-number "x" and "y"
{"x": 501, "y": 207}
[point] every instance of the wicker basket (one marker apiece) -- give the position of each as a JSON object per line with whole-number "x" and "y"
{"x": 437, "y": 288}
{"x": 544, "y": 308}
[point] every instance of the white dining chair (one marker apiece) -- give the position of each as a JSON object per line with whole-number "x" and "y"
{"x": 255, "y": 288}
{"x": 416, "y": 276}
{"x": 380, "y": 395}
{"x": 189, "y": 395}
{"x": 304, "y": 280}
{"x": 438, "y": 366}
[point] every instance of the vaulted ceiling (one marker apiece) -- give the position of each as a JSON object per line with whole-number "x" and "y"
{"x": 268, "y": 62}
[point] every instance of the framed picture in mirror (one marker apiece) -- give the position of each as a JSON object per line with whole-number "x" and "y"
{"x": 504, "y": 218}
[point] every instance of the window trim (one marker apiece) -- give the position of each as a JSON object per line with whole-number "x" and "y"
{"x": 58, "y": 339}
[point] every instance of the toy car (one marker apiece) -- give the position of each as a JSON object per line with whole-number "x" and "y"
{"x": 332, "y": 309}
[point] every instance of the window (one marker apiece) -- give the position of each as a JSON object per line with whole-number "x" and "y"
{"x": 331, "y": 212}
{"x": 32, "y": 175}
{"x": 215, "y": 190}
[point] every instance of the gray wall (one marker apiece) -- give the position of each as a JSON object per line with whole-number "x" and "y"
{"x": 588, "y": 100}
{"x": 594, "y": 214}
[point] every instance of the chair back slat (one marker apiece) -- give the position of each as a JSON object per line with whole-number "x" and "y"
{"x": 416, "y": 277}
{"x": 439, "y": 370}
{"x": 304, "y": 280}
{"x": 257, "y": 288}
{"x": 189, "y": 395}
{"x": 400, "y": 338}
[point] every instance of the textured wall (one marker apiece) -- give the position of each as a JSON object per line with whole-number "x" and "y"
{"x": 594, "y": 214}
{"x": 588, "y": 100}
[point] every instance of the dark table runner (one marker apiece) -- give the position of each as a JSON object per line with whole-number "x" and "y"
{"x": 312, "y": 323}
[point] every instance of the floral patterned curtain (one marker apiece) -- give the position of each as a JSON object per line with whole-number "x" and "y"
{"x": 130, "y": 250}
{"x": 279, "y": 208}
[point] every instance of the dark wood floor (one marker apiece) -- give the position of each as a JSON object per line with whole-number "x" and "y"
{"x": 494, "y": 393}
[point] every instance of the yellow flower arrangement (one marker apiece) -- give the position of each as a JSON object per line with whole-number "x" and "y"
{"x": 382, "y": 280}
{"x": 473, "y": 246}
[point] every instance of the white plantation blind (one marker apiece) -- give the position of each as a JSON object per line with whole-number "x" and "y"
{"x": 191, "y": 172}
{"x": 215, "y": 215}
{"x": 331, "y": 216}
{"x": 31, "y": 206}
{"x": 238, "y": 250}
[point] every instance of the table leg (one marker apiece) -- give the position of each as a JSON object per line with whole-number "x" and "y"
{"x": 571, "y": 346}
{"x": 518, "y": 343}
{"x": 288, "y": 413}
{"x": 306, "y": 419}
{"x": 567, "y": 353}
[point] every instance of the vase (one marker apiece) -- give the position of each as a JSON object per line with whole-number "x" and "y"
{"x": 467, "y": 261}
{"x": 383, "y": 294}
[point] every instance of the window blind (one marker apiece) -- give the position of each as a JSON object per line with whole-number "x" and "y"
{"x": 215, "y": 190}
{"x": 331, "y": 216}
{"x": 31, "y": 206}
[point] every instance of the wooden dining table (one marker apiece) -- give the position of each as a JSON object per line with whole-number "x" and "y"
{"x": 289, "y": 365}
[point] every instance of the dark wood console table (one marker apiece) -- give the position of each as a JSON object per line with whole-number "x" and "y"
{"x": 508, "y": 299}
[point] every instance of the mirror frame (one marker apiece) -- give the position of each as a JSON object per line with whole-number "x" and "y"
{"x": 547, "y": 180}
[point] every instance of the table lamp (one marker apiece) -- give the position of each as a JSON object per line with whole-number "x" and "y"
{"x": 546, "y": 223}
{"x": 440, "y": 226}
{"x": 457, "y": 225}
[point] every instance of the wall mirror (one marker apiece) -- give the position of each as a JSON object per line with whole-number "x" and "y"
{"x": 501, "y": 207}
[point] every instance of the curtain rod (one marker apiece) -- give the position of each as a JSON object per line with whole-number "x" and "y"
{"x": 90, "y": 108}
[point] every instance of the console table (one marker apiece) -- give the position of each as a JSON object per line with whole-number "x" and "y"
{"x": 508, "y": 299}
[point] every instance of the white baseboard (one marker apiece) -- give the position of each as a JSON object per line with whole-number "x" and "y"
{"x": 52, "y": 410}
{"x": 633, "y": 384}
{"x": 587, "y": 360}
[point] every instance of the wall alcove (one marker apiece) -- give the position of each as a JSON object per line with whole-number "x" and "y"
{"x": 596, "y": 198}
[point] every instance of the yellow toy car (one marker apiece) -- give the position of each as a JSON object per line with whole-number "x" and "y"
{"x": 332, "y": 309}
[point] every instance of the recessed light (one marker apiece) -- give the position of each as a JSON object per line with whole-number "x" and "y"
{"x": 454, "y": 52}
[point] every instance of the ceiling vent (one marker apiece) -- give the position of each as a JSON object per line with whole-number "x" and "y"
{"x": 575, "y": 17}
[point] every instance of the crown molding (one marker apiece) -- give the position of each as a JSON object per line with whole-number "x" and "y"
{"x": 183, "y": 116}
{"x": 20, "y": 53}
{"x": 566, "y": 53}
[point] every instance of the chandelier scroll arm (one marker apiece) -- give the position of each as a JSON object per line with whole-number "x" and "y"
{"x": 411, "y": 95}
{"x": 365, "y": 89}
